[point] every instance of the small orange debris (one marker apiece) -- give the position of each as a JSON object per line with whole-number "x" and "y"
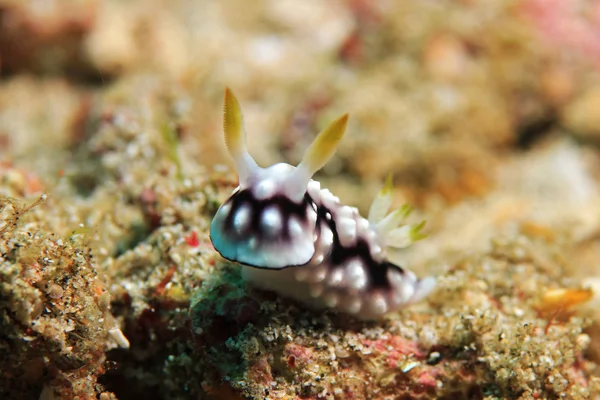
{"x": 98, "y": 290}
{"x": 563, "y": 299}
{"x": 159, "y": 290}
{"x": 539, "y": 231}
{"x": 556, "y": 303}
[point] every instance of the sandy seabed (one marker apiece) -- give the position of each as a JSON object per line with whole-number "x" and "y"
{"x": 485, "y": 113}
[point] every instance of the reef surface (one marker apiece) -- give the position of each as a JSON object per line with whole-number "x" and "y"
{"x": 112, "y": 164}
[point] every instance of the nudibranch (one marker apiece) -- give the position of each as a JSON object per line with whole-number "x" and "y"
{"x": 298, "y": 240}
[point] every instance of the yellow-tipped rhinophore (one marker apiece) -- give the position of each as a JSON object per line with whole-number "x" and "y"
{"x": 233, "y": 125}
{"x": 235, "y": 137}
{"x": 319, "y": 152}
{"x": 323, "y": 147}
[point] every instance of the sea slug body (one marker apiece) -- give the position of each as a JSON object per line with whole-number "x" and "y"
{"x": 298, "y": 240}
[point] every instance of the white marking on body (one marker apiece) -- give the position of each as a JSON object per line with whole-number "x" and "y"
{"x": 330, "y": 202}
{"x": 344, "y": 212}
{"x": 318, "y": 274}
{"x": 271, "y": 221}
{"x": 330, "y": 299}
{"x": 314, "y": 189}
{"x": 225, "y": 209}
{"x": 311, "y": 215}
{"x": 335, "y": 277}
{"x": 318, "y": 259}
{"x": 327, "y": 198}
{"x": 355, "y": 275}
{"x": 264, "y": 189}
{"x": 377, "y": 304}
{"x": 241, "y": 218}
{"x": 376, "y": 252}
{"x": 295, "y": 227}
{"x": 301, "y": 273}
{"x": 351, "y": 305}
{"x": 253, "y": 243}
{"x": 325, "y": 238}
{"x": 423, "y": 288}
{"x": 322, "y": 243}
{"x": 315, "y": 290}
{"x": 395, "y": 277}
{"x": 403, "y": 286}
{"x": 304, "y": 250}
{"x": 362, "y": 226}
{"x": 346, "y": 229}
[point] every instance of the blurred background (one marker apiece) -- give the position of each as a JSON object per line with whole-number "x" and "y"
{"x": 486, "y": 113}
{"x": 451, "y": 97}
{"x": 439, "y": 92}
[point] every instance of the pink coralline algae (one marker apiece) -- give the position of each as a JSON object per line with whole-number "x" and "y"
{"x": 395, "y": 348}
{"x": 568, "y": 24}
{"x": 297, "y": 356}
